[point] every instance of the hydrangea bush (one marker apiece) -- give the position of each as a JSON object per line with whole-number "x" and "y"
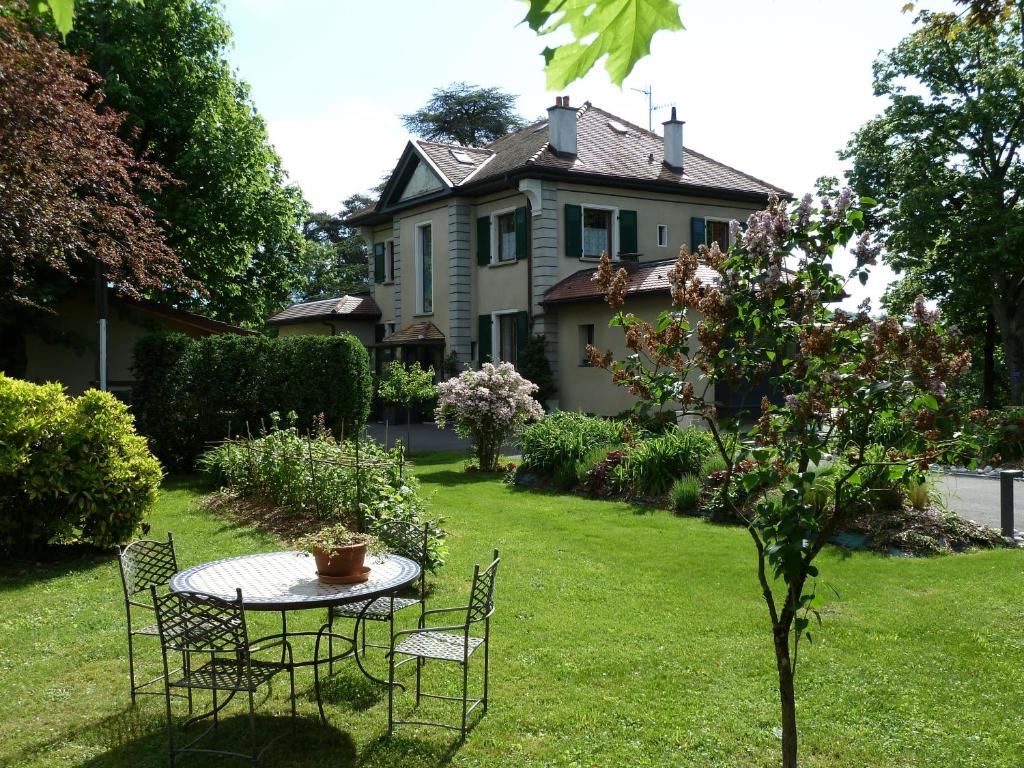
{"x": 489, "y": 406}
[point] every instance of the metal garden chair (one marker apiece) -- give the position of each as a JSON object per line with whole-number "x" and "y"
{"x": 406, "y": 539}
{"x": 144, "y": 564}
{"x": 193, "y": 623}
{"x": 453, "y": 643}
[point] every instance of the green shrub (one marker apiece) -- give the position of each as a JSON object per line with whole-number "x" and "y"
{"x": 533, "y": 366}
{"x": 712, "y": 464}
{"x": 70, "y": 467}
{"x": 653, "y": 465}
{"x": 190, "y": 392}
{"x": 685, "y": 494}
{"x": 555, "y": 445}
{"x": 315, "y": 477}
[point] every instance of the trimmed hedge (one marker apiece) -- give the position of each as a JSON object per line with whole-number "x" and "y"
{"x": 189, "y": 391}
{"x": 70, "y": 467}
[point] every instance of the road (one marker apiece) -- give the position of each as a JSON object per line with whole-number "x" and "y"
{"x": 977, "y": 498}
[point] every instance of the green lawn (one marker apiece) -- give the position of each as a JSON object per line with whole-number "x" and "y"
{"x": 620, "y": 639}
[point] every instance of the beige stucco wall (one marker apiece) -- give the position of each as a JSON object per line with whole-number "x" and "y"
{"x": 383, "y": 293}
{"x": 500, "y": 286}
{"x": 437, "y": 217}
{"x": 583, "y": 388}
{"x": 75, "y": 365}
{"x": 651, "y": 209}
{"x": 361, "y": 329}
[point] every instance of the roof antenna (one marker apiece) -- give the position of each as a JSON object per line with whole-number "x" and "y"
{"x": 651, "y": 106}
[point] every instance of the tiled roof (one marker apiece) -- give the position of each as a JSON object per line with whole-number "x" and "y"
{"x": 418, "y": 333}
{"x": 636, "y": 156}
{"x": 358, "y": 307}
{"x": 647, "y": 277}
{"x": 602, "y": 150}
{"x": 183, "y": 316}
{"x": 453, "y": 160}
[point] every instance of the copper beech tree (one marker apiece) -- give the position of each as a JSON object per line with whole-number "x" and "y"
{"x": 71, "y": 191}
{"x": 770, "y": 317}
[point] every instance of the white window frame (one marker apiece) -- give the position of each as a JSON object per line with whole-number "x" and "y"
{"x": 728, "y": 230}
{"x": 496, "y": 335}
{"x": 663, "y": 228}
{"x": 419, "y": 268}
{"x": 389, "y": 254}
{"x": 614, "y": 255}
{"x": 494, "y": 237}
{"x": 390, "y": 327}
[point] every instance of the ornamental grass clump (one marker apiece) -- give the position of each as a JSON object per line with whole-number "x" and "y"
{"x": 488, "y": 406}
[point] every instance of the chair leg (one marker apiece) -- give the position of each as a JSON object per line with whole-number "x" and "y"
{"x": 216, "y": 719}
{"x": 419, "y": 668}
{"x": 252, "y": 730}
{"x": 295, "y": 731}
{"x": 465, "y": 695}
{"x": 131, "y": 663}
{"x": 487, "y": 653}
{"x": 391, "y": 693}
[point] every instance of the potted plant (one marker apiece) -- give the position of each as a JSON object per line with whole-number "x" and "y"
{"x": 340, "y": 553}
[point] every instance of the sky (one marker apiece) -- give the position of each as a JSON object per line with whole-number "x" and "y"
{"x": 772, "y": 87}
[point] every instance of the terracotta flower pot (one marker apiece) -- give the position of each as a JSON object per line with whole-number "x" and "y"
{"x": 340, "y": 561}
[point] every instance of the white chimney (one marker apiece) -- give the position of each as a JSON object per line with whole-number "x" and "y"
{"x": 562, "y": 127}
{"x": 673, "y": 132}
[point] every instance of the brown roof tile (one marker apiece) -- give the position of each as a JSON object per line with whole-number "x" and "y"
{"x": 418, "y": 333}
{"x": 645, "y": 277}
{"x": 361, "y": 306}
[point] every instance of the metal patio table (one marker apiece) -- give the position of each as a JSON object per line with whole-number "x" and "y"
{"x": 287, "y": 581}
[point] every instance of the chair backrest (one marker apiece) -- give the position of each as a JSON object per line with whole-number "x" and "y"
{"x": 195, "y": 622}
{"x": 146, "y": 563}
{"x": 408, "y": 540}
{"x": 481, "y": 598}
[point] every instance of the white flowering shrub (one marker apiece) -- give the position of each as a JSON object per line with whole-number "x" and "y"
{"x": 488, "y": 406}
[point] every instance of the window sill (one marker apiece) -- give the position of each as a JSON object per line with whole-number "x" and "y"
{"x": 387, "y": 282}
{"x": 509, "y": 263}
{"x": 423, "y": 314}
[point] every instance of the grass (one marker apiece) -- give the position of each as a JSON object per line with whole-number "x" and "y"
{"x": 620, "y": 639}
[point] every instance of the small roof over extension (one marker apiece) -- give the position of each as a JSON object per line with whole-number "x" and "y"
{"x": 360, "y": 306}
{"x": 644, "y": 278}
{"x": 423, "y": 333}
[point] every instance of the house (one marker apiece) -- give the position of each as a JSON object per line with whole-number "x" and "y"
{"x": 69, "y": 346}
{"x": 356, "y": 314}
{"x": 476, "y": 248}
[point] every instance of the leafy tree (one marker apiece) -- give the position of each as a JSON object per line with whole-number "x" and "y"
{"x": 336, "y": 259}
{"x": 402, "y": 386}
{"x": 69, "y": 189}
{"x": 944, "y": 159}
{"x": 620, "y": 30}
{"x": 465, "y": 114}
{"x": 840, "y": 373}
{"x": 233, "y": 220}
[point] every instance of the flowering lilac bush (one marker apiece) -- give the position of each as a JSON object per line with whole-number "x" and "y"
{"x": 489, "y": 406}
{"x": 770, "y": 316}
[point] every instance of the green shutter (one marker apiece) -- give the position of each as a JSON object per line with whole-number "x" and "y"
{"x": 522, "y": 333}
{"x": 522, "y": 233}
{"x": 378, "y": 263}
{"x": 483, "y": 341}
{"x": 627, "y": 232}
{"x": 483, "y": 241}
{"x": 573, "y": 231}
{"x": 698, "y": 233}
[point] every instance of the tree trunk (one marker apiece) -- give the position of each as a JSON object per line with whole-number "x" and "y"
{"x": 988, "y": 381}
{"x": 13, "y": 353}
{"x": 1009, "y": 315}
{"x": 787, "y": 697}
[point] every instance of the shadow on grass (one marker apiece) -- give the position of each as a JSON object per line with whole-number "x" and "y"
{"x": 52, "y": 563}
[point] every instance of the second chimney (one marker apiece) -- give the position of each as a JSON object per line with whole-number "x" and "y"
{"x": 674, "y": 143}
{"x": 562, "y": 127}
